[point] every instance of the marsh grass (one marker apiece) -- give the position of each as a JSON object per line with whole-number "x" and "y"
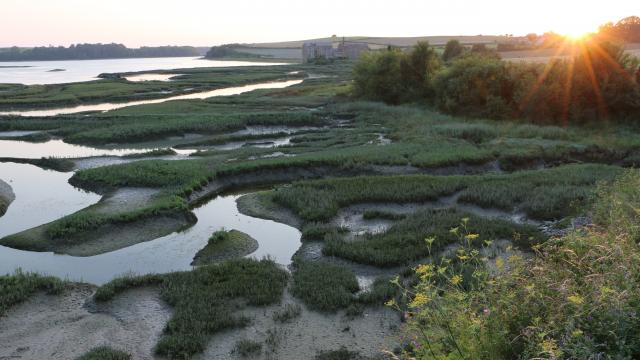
{"x": 323, "y": 287}
{"x": 288, "y": 313}
{"x": 246, "y": 348}
{"x": 105, "y": 353}
{"x": 423, "y": 233}
{"x": 19, "y": 286}
{"x": 205, "y": 300}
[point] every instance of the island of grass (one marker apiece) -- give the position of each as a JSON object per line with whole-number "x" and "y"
{"x": 6, "y": 197}
{"x": 225, "y": 245}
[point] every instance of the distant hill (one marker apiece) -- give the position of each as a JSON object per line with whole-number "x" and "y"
{"x": 93, "y": 51}
{"x": 386, "y": 41}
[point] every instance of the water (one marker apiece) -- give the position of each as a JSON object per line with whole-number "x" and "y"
{"x": 43, "y": 196}
{"x": 112, "y": 106}
{"x": 150, "y": 77}
{"x": 57, "y": 148}
{"x": 39, "y": 72}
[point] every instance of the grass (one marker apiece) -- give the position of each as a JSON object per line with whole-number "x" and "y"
{"x": 105, "y": 353}
{"x": 246, "y": 348}
{"x": 340, "y": 354}
{"x": 545, "y": 195}
{"x": 18, "y": 287}
{"x": 405, "y": 241}
{"x": 323, "y": 287}
{"x": 206, "y": 299}
{"x": 575, "y": 298}
{"x": 224, "y": 245}
{"x": 50, "y": 163}
{"x": 288, "y": 313}
{"x": 115, "y": 90}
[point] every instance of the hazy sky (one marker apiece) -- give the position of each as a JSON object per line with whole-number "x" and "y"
{"x": 209, "y": 22}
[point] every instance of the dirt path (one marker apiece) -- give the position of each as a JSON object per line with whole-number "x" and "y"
{"x": 63, "y": 327}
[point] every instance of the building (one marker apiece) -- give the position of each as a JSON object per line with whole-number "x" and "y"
{"x": 317, "y": 50}
{"x": 325, "y": 50}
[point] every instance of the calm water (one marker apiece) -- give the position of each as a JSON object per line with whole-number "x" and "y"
{"x": 41, "y": 197}
{"x": 39, "y": 72}
{"x": 112, "y": 106}
{"x": 57, "y": 148}
{"x": 37, "y": 204}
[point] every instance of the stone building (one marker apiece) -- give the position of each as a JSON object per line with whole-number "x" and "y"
{"x": 326, "y": 50}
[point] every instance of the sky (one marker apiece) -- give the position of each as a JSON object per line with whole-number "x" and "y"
{"x": 211, "y": 22}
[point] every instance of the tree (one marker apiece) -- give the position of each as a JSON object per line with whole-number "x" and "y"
{"x": 452, "y": 50}
{"x": 417, "y": 70}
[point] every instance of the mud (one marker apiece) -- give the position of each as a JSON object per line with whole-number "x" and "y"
{"x": 65, "y": 326}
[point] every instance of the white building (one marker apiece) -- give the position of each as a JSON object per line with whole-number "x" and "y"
{"x": 325, "y": 50}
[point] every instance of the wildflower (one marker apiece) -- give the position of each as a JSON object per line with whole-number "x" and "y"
{"x": 576, "y": 299}
{"x": 471, "y": 237}
{"x": 425, "y": 269}
{"x": 576, "y": 333}
{"x": 456, "y": 279}
{"x": 487, "y": 312}
{"x": 500, "y": 263}
{"x": 419, "y": 300}
{"x": 390, "y": 303}
{"x": 465, "y": 220}
{"x": 442, "y": 269}
{"x": 454, "y": 230}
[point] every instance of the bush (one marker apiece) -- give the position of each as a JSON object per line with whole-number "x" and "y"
{"x": 576, "y": 299}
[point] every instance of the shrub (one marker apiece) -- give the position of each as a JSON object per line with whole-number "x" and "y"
{"x": 105, "y": 353}
{"x": 323, "y": 287}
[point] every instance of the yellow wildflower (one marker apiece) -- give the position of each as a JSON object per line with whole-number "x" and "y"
{"x": 456, "y": 279}
{"x": 500, "y": 263}
{"x": 576, "y": 299}
{"x": 424, "y": 269}
{"x": 471, "y": 237}
{"x": 419, "y": 300}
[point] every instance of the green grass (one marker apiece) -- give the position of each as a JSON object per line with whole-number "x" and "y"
{"x": 340, "y": 354}
{"x": 405, "y": 241}
{"x": 18, "y": 287}
{"x": 246, "y": 348}
{"x": 224, "y": 245}
{"x": 105, "y": 353}
{"x": 206, "y": 300}
{"x": 323, "y": 287}
{"x": 545, "y": 194}
{"x": 288, "y": 313}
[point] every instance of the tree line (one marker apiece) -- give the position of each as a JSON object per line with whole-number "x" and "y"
{"x": 600, "y": 82}
{"x": 93, "y": 51}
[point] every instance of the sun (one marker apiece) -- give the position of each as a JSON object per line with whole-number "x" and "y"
{"x": 576, "y": 32}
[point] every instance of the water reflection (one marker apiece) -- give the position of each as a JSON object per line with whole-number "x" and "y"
{"x": 59, "y": 149}
{"x": 150, "y": 77}
{"x": 42, "y": 196}
{"x": 170, "y": 253}
{"x": 112, "y": 106}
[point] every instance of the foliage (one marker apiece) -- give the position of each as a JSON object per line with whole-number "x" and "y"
{"x": 19, "y": 286}
{"x": 323, "y": 287}
{"x": 340, "y": 354}
{"x": 205, "y": 300}
{"x": 94, "y": 51}
{"x": 576, "y": 299}
{"x": 247, "y": 348}
{"x": 105, "y": 353}
{"x": 452, "y": 50}
{"x": 288, "y": 313}
{"x": 424, "y": 233}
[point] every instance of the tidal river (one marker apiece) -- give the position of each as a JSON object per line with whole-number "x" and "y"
{"x": 43, "y": 196}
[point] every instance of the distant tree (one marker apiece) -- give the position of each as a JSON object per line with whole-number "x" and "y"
{"x": 452, "y": 50}
{"x": 94, "y": 51}
{"x": 532, "y": 37}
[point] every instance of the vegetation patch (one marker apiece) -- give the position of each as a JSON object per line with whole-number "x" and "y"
{"x": 19, "y": 286}
{"x": 340, "y": 354}
{"x": 225, "y": 245}
{"x": 206, "y": 299}
{"x": 105, "y": 353}
{"x": 424, "y": 233}
{"x": 324, "y": 287}
{"x": 575, "y": 298}
{"x": 50, "y": 163}
{"x": 246, "y": 348}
